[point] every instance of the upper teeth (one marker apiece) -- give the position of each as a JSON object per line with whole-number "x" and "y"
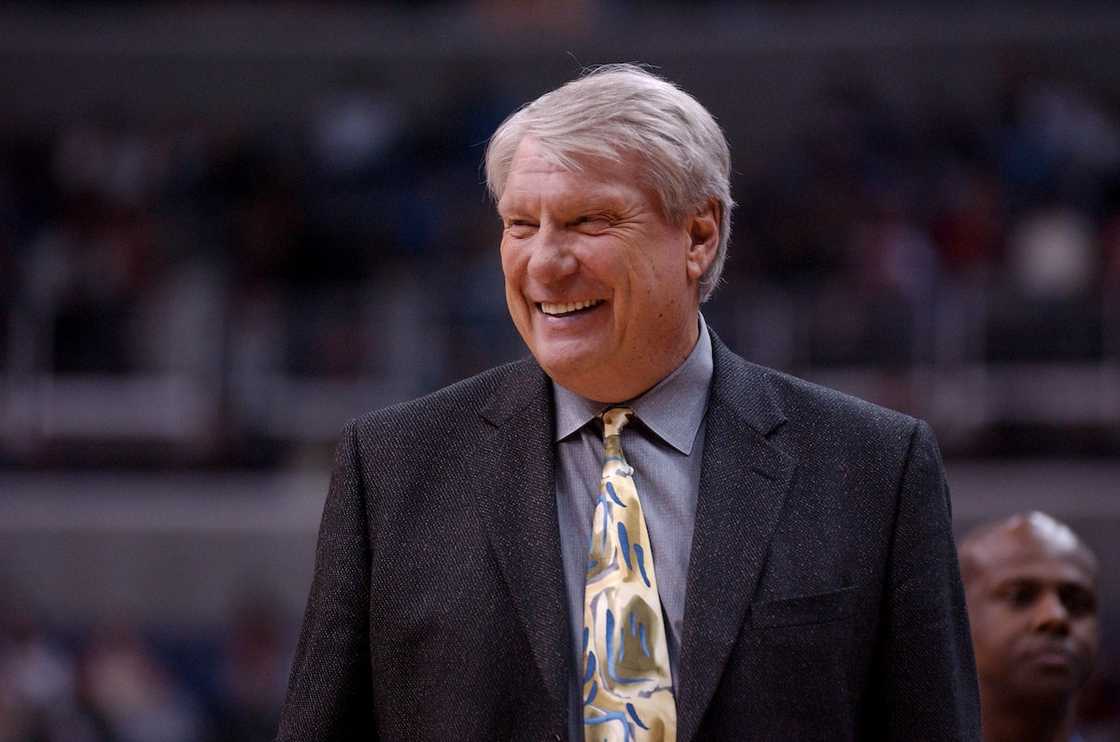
{"x": 569, "y": 307}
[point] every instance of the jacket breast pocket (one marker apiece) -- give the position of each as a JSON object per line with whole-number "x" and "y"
{"x": 803, "y": 610}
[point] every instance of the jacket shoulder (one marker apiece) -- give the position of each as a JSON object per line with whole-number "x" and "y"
{"x": 819, "y": 406}
{"x": 773, "y": 401}
{"x": 816, "y": 420}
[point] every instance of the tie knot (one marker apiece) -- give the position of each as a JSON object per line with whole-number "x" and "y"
{"x": 615, "y": 419}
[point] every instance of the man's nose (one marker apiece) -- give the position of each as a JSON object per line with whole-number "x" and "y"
{"x": 551, "y": 259}
{"x": 1050, "y": 614}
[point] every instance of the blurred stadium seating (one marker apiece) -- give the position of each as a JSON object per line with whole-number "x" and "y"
{"x": 226, "y": 229}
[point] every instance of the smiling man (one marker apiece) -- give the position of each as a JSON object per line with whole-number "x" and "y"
{"x": 635, "y": 534}
{"x": 601, "y": 283}
{"x": 1032, "y": 597}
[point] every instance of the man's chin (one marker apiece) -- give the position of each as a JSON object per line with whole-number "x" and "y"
{"x": 575, "y": 367}
{"x": 570, "y": 371}
{"x": 1050, "y": 686}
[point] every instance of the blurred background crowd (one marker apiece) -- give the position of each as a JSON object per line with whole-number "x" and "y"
{"x": 225, "y": 230}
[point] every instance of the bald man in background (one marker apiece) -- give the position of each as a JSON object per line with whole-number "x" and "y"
{"x": 1031, "y": 589}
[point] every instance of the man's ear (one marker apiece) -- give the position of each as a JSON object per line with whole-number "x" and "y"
{"x": 703, "y": 238}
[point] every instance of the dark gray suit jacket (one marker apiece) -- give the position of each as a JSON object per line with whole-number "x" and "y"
{"x": 823, "y": 598}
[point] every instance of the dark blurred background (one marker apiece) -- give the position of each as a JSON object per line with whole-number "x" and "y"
{"x": 225, "y": 229}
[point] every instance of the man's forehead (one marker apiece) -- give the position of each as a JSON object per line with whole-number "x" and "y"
{"x": 1013, "y": 556}
{"x": 1025, "y": 536}
{"x": 536, "y": 172}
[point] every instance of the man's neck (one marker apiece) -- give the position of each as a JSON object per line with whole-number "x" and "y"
{"x": 618, "y": 388}
{"x": 1027, "y": 721}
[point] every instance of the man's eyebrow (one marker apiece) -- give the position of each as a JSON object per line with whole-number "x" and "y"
{"x": 1079, "y": 583}
{"x": 1035, "y": 581}
{"x": 512, "y": 207}
{"x": 577, "y": 204}
{"x": 1018, "y": 581}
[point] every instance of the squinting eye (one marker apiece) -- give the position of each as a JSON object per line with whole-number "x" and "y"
{"x": 520, "y": 228}
{"x": 1022, "y": 596}
{"x": 1078, "y": 601}
{"x": 592, "y": 222}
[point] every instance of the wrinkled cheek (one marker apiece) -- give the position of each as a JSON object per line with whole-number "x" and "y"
{"x": 520, "y": 312}
{"x": 517, "y": 300}
{"x": 512, "y": 266}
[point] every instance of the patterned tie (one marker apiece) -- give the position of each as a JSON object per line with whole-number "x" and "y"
{"x": 627, "y": 681}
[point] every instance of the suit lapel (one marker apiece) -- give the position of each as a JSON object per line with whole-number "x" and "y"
{"x": 514, "y": 479}
{"x": 743, "y": 484}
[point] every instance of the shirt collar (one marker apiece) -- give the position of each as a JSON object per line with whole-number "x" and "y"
{"x": 673, "y": 409}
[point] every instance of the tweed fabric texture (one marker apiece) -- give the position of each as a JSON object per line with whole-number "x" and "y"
{"x": 823, "y": 598}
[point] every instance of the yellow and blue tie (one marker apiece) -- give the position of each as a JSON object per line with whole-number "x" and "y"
{"x": 627, "y": 681}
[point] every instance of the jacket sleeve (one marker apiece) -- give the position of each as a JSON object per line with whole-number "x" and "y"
{"x": 329, "y": 690}
{"x": 925, "y": 662}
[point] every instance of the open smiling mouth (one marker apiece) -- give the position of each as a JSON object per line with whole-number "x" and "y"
{"x": 569, "y": 308}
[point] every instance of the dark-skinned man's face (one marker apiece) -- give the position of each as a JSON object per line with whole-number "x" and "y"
{"x": 1033, "y": 610}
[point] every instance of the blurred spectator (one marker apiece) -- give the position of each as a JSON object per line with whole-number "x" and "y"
{"x": 243, "y": 262}
{"x": 253, "y": 675}
{"x": 130, "y": 693}
{"x": 1053, "y": 254}
{"x": 1031, "y": 587}
{"x": 37, "y": 684}
{"x": 969, "y": 227}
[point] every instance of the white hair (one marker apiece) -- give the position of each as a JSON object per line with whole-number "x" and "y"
{"x": 622, "y": 109}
